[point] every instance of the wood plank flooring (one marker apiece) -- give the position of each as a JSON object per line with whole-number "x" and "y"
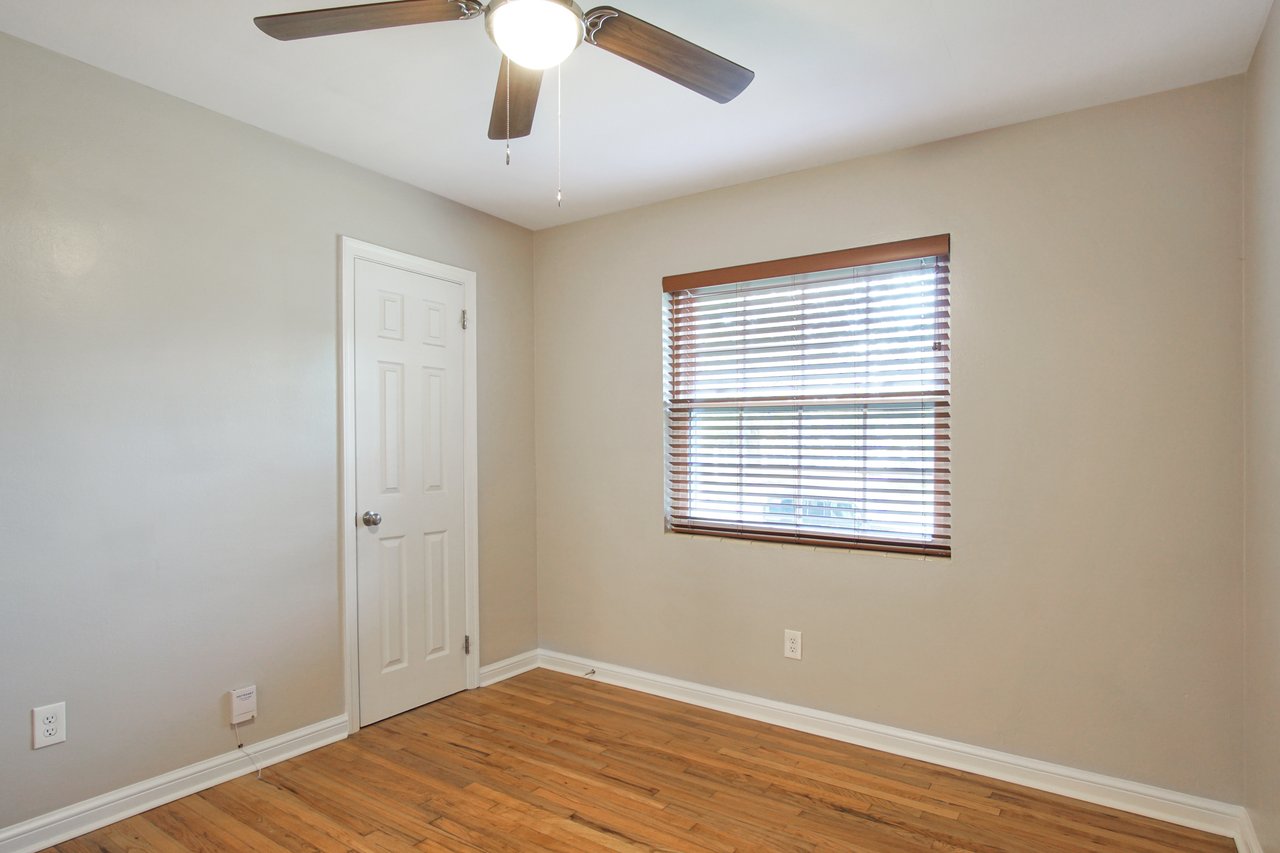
{"x": 546, "y": 761}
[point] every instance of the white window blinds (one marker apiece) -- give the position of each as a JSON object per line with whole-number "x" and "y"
{"x": 813, "y": 406}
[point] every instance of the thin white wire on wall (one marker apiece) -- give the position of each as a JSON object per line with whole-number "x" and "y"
{"x": 240, "y": 746}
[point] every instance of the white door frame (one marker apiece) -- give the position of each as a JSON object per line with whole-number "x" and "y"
{"x": 349, "y": 251}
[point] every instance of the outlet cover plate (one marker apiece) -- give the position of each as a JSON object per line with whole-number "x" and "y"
{"x": 791, "y": 644}
{"x": 48, "y": 725}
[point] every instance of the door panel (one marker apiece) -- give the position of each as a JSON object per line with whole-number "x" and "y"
{"x": 409, "y": 396}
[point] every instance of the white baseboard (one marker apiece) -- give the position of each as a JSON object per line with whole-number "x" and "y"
{"x": 86, "y": 816}
{"x": 501, "y": 670}
{"x": 1174, "y": 807}
{"x": 1247, "y": 841}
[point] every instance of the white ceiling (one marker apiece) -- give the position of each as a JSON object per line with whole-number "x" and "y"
{"x": 834, "y": 79}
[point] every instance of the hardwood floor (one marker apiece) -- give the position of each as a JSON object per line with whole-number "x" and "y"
{"x": 546, "y": 761}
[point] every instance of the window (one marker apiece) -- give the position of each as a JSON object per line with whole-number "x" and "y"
{"x": 807, "y": 400}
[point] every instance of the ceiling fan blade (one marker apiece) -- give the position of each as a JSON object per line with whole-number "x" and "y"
{"x": 667, "y": 54}
{"x": 370, "y": 16}
{"x": 525, "y": 85}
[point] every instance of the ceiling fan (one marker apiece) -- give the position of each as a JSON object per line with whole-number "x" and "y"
{"x": 534, "y": 35}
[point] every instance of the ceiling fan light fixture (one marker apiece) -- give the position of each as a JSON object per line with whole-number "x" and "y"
{"x": 535, "y": 34}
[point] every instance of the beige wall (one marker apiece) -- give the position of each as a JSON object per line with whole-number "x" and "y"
{"x": 1262, "y": 437}
{"x": 1091, "y": 613}
{"x": 168, "y": 424}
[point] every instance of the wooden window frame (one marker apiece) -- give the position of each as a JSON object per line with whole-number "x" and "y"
{"x": 901, "y": 250}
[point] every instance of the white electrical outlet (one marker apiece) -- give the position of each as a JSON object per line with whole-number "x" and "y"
{"x": 791, "y": 644}
{"x": 48, "y": 725}
{"x": 244, "y": 704}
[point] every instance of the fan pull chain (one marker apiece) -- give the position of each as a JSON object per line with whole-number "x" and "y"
{"x": 559, "y": 141}
{"x": 507, "y": 60}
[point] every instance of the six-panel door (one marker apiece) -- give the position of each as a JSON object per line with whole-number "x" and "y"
{"x": 409, "y": 469}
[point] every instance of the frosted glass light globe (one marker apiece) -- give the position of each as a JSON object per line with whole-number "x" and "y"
{"x": 535, "y": 34}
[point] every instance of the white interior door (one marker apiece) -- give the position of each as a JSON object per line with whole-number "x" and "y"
{"x": 411, "y": 515}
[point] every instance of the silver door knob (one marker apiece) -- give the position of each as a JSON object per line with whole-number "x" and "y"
{"x": 371, "y": 519}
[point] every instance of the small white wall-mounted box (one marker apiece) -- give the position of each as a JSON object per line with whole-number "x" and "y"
{"x": 244, "y": 704}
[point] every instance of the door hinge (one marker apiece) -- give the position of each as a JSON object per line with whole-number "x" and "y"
{"x": 466, "y": 644}
{"x": 464, "y": 318}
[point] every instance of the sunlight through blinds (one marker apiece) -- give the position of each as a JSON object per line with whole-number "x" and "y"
{"x": 814, "y": 407}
